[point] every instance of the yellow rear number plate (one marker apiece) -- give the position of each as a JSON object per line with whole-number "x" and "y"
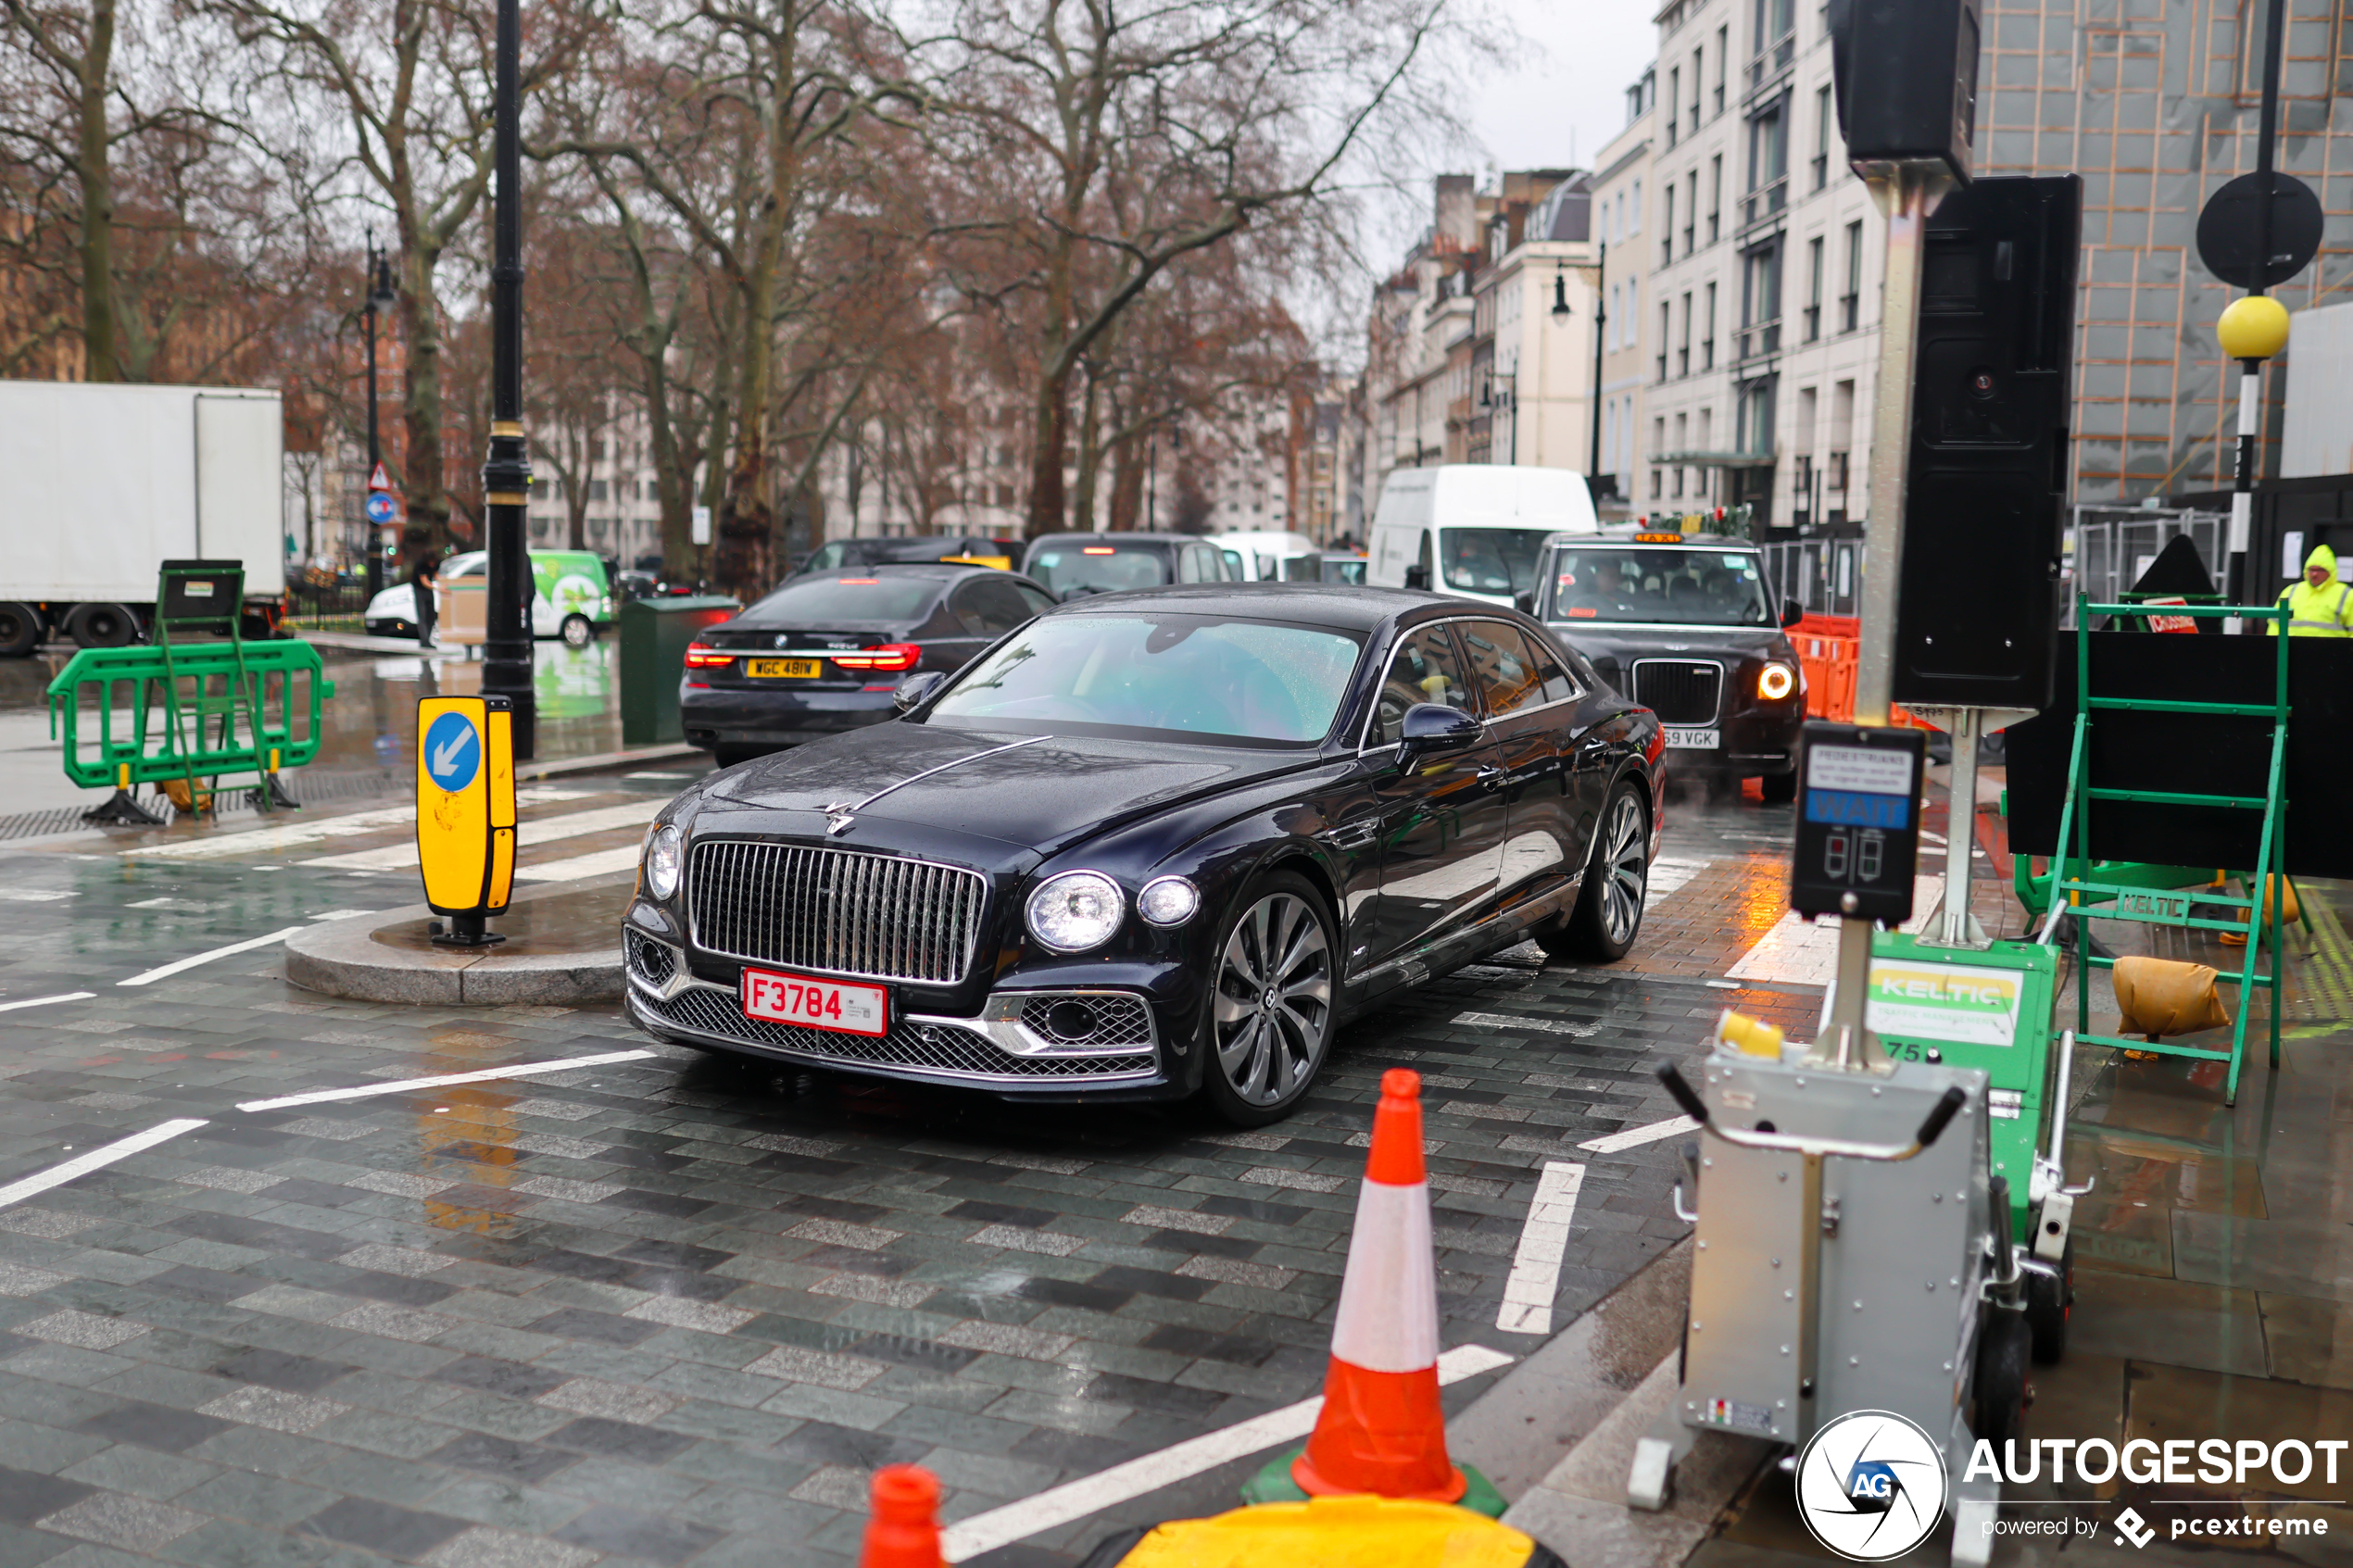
{"x": 801, "y": 669}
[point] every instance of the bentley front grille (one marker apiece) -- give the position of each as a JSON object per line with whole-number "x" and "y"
{"x": 837, "y": 911}
{"x": 937, "y": 1048}
{"x": 1681, "y": 691}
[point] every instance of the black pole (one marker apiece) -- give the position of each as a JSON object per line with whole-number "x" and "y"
{"x": 1151, "y": 480}
{"x": 2251, "y": 371}
{"x": 1601, "y": 324}
{"x": 506, "y": 478}
{"x": 374, "y": 576}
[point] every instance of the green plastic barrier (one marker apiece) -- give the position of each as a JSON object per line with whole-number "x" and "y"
{"x": 144, "y": 715}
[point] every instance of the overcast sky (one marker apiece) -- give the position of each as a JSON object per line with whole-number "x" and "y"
{"x": 1570, "y": 97}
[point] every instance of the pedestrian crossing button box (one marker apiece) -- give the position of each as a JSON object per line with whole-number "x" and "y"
{"x": 1859, "y": 822}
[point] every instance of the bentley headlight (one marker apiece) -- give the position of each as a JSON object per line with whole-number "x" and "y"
{"x": 665, "y": 856}
{"x": 1168, "y": 900}
{"x": 1076, "y": 910}
{"x": 1776, "y": 681}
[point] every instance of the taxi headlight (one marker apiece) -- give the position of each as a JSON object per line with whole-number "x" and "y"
{"x": 665, "y": 856}
{"x": 1776, "y": 681}
{"x": 1076, "y": 910}
{"x": 1168, "y": 900}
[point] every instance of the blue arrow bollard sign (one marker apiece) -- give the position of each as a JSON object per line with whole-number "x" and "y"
{"x": 452, "y": 751}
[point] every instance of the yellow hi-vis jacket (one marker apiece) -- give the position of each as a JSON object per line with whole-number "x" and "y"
{"x": 2324, "y": 611}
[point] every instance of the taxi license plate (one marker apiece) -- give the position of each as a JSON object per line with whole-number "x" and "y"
{"x": 816, "y": 1004}
{"x": 797, "y": 669}
{"x": 1694, "y": 739}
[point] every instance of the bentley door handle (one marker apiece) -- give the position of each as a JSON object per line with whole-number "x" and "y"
{"x": 1490, "y": 777}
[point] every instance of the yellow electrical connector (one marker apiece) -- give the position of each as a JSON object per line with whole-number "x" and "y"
{"x": 1750, "y": 1036}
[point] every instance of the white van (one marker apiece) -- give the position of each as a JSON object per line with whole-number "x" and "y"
{"x": 1264, "y": 556}
{"x": 1474, "y": 530}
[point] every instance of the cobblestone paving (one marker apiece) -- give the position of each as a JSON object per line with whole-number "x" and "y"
{"x": 674, "y": 1310}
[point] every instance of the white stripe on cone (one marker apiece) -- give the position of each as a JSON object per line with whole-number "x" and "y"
{"x": 1388, "y": 1319}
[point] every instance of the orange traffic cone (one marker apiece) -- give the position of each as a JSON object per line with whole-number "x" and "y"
{"x": 1382, "y": 1429}
{"x": 903, "y": 1531}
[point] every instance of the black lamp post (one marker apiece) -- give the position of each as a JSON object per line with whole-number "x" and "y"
{"x": 506, "y": 477}
{"x": 381, "y": 299}
{"x": 1561, "y": 312}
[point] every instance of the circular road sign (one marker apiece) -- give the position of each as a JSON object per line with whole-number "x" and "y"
{"x": 453, "y": 751}
{"x": 381, "y": 509}
{"x": 2226, "y": 230}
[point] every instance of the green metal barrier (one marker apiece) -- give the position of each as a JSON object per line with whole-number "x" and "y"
{"x": 189, "y": 711}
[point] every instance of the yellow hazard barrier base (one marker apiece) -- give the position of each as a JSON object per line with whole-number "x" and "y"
{"x": 1351, "y": 1532}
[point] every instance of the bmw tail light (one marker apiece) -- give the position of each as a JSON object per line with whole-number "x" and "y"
{"x": 702, "y": 655}
{"x": 890, "y": 655}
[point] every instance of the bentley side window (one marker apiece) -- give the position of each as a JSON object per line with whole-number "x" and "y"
{"x": 1551, "y": 669}
{"x": 1500, "y": 664}
{"x": 1424, "y": 668}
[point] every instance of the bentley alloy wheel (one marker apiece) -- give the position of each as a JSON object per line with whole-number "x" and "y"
{"x": 1272, "y": 1012}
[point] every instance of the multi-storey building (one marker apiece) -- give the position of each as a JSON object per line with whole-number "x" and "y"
{"x": 1625, "y": 244}
{"x": 1764, "y": 273}
{"x": 1469, "y": 357}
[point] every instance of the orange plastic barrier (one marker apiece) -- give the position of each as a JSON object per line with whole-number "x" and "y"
{"x": 1827, "y": 647}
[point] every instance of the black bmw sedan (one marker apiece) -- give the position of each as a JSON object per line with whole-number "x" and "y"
{"x": 825, "y": 652}
{"x": 1153, "y": 844}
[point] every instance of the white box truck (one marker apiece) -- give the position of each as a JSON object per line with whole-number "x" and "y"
{"x": 100, "y": 484}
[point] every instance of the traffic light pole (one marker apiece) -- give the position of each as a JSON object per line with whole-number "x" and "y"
{"x": 1906, "y": 193}
{"x": 506, "y": 478}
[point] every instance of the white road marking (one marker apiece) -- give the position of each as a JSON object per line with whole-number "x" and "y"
{"x": 44, "y": 1001}
{"x": 1667, "y": 876}
{"x": 1635, "y": 1138}
{"x": 294, "y": 835}
{"x": 620, "y": 858}
{"x": 82, "y": 1164}
{"x": 521, "y": 1070}
{"x": 1092, "y": 1494}
{"x": 1543, "y": 1242}
{"x": 151, "y": 977}
{"x": 1796, "y": 952}
{"x": 542, "y": 830}
{"x": 1505, "y": 1020}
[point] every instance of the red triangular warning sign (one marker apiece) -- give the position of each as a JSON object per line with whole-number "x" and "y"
{"x": 380, "y": 479}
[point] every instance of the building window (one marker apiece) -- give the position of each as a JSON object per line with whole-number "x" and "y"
{"x": 1813, "y": 288}
{"x": 1662, "y": 342}
{"x": 1767, "y": 163}
{"x": 1776, "y": 39}
{"x": 1823, "y": 112}
{"x": 1632, "y": 214}
{"x": 1674, "y": 107}
{"x": 1752, "y": 418}
{"x": 1707, "y": 333}
{"x": 1723, "y": 57}
{"x": 1666, "y": 239}
{"x": 1697, "y": 56}
{"x": 1837, "y": 481}
{"x": 1850, "y": 304}
{"x": 1683, "y": 354}
{"x": 1761, "y": 301}
{"x": 1715, "y": 196}
{"x": 1691, "y": 210}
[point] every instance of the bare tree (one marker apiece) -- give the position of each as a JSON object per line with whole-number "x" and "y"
{"x": 410, "y": 80}
{"x": 1109, "y": 144}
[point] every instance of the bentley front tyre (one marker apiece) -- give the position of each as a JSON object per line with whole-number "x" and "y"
{"x": 1607, "y": 916}
{"x": 1269, "y": 1020}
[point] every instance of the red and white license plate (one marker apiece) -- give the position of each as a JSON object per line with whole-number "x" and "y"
{"x": 816, "y": 1004}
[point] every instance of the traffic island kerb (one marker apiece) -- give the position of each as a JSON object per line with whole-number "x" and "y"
{"x": 563, "y": 945}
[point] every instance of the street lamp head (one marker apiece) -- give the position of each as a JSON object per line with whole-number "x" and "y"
{"x": 1561, "y": 311}
{"x": 381, "y": 294}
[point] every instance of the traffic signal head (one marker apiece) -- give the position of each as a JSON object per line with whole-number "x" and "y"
{"x": 1906, "y": 72}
